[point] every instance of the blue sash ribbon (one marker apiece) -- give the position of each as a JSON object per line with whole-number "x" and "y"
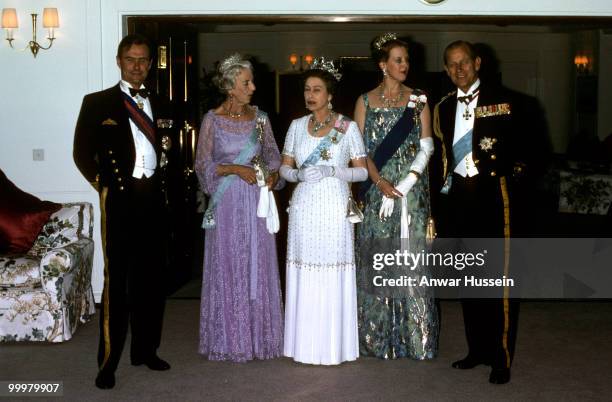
{"x": 389, "y": 145}
{"x": 335, "y": 135}
{"x": 247, "y": 153}
{"x": 460, "y": 150}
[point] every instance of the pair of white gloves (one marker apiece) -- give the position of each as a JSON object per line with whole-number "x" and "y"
{"x": 405, "y": 185}
{"x": 266, "y": 208}
{"x": 314, "y": 174}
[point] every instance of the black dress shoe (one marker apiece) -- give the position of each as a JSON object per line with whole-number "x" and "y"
{"x": 499, "y": 376}
{"x": 105, "y": 380}
{"x": 468, "y": 362}
{"x": 154, "y": 363}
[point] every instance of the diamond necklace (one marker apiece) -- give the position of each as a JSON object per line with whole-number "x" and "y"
{"x": 390, "y": 102}
{"x": 316, "y": 125}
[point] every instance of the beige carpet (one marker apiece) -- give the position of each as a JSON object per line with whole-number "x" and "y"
{"x": 563, "y": 353}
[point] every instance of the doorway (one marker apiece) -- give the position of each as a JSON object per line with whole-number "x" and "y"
{"x": 536, "y": 53}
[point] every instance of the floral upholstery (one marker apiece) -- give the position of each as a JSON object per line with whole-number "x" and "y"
{"x": 46, "y": 293}
{"x": 583, "y": 193}
{"x": 19, "y": 270}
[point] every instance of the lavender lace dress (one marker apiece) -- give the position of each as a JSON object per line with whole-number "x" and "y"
{"x": 241, "y": 312}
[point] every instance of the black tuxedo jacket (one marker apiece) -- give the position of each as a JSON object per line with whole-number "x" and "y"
{"x": 104, "y": 148}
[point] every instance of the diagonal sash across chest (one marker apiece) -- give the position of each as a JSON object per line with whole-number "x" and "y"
{"x": 390, "y": 144}
{"x": 334, "y": 136}
{"x": 246, "y": 154}
{"x": 140, "y": 118}
{"x": 460, "y": 150}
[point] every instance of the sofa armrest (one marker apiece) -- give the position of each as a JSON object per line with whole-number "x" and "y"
{"x": 64, "y": 269}
{"x": 72, "y": 222}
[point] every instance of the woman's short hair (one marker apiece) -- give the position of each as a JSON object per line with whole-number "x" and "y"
{"x": 228, "y": 70}
{"x": 328, "y": 79}
{"x": 381, "y": 46}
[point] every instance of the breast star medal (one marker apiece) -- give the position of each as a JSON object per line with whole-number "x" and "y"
{"x": 486, "y": 143}
{"x": 325, "y": 154}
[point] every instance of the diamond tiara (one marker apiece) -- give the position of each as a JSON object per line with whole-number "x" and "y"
{"x": 230, "y": 61}
{"x": 326, "y": 65}
{"x": 381, "y": 40}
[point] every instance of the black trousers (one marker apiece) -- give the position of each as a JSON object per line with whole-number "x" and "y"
{"x": 474, "y": 209}
{"x": 134, "y": 294}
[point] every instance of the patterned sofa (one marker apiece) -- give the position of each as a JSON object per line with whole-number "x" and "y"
{"x": 46, "y": 293}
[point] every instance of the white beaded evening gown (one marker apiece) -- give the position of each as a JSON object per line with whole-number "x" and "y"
{"x": 321, "y": 296}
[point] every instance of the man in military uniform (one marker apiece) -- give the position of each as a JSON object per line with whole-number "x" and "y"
{"x": 480, "y": 197}
{"x": 120, "y": 140}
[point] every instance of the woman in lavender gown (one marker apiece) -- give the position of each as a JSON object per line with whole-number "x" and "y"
{"x": 240, "y": 315}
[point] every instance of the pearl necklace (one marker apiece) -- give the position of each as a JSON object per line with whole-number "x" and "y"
{"x": 316, "y": 125}
{"x": 390, "y": 102}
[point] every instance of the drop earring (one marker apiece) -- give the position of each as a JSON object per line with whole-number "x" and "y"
{"x": 385, "y": 72}
{"x": 329, "y": 105}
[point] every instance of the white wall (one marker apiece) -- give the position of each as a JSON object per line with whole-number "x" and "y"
{"x": 40, "y": 98}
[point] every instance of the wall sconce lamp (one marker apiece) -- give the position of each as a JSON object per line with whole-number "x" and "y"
{"x": 294, "y": 59}
{"x": 582, "y": 63}
{"x": 308, "y": 59}
{"x": 50, "y": 21}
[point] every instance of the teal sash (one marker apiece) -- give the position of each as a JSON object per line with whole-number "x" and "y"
{"x": 460, "y": 150}
{"x": 334, "y": 136}
{"x": 247, "y": 153}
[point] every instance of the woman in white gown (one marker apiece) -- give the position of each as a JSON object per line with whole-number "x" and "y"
{"x": 321, "y": 300}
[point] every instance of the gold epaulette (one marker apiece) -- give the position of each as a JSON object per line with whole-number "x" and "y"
{"x": 438, "y": 131}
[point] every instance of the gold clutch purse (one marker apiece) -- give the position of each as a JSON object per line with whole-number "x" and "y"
{"x": 430, "y": 234}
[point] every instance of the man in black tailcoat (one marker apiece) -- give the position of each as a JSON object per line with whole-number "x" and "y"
{"x": 120, "y": 146}
{"x": 485, "y": 157}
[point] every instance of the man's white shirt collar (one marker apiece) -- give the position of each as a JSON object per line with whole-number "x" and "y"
{"x": 472, "y": 88}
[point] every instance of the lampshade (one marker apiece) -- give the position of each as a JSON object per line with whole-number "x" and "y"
{"x": 50, "y": 18}
{"x": 9, "y": 18}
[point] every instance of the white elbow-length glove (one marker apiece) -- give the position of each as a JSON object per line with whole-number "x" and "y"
{"x": 416, "y": 169}
{"x": 310, "y": 174}
{"x": 348, "y": 174}
{"x": 313, "y": 174}
{"x": 288, "y": 173}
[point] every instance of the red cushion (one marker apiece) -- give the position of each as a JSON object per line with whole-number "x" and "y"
{"x": 22, "y": 216}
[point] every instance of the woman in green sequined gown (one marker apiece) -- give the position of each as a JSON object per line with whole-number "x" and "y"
{"x": 395, "y": 121}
